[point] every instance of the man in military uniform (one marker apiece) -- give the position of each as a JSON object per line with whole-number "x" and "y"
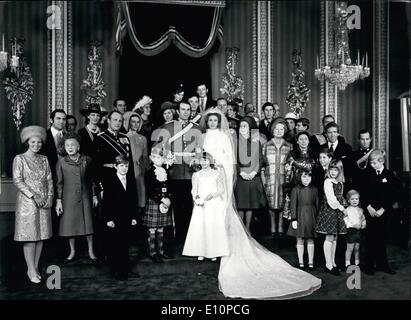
{"x": 358, "y": 163}
{"x": 109, "y": 144}
{"x": 184, "y": 139}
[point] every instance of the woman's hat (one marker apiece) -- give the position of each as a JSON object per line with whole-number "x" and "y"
{"x": 142, "y": 102}
{"x": 290, "y": 115}
{"x": 93, "y": 108}
{"x": 251, "y": 122}
{"x": 126, "y": 119}
{"x": 33, "y": 131}
{"x": 167, "y": 105}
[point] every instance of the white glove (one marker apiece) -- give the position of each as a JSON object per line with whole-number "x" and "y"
{"x": 294, "y": 224}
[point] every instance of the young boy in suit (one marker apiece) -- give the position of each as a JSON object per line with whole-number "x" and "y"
{"x": 378, "y": 200}
{"x": 119, "y": 211}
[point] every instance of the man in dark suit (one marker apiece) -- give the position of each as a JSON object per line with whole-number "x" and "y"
{"x": 120, "y": 106}
{"x": 377, "y": 200}
{"x": 119, "y": 212}
{"x": 271, "y": 111}
{"x": 53, "y": 150}
{"x": 53, "y": 144}
{"x": 204, "y": 101}
{"x": 321, "y": 138}
{"x": 340, "y": 149}
{"x": 184, "y": 139}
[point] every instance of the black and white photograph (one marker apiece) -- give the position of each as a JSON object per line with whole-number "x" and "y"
{"x": 214, "y": 152}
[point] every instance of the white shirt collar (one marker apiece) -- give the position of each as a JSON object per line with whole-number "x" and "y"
{"x": 123, "y": 179}
{"x": 55, "y": 132}
{"x": 335, "y": 144}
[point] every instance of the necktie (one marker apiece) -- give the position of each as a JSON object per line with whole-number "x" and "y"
{"x": 124, "y": 182}
{"x": 59, "y": 138}
{"x": 332, "y": 147}
{"x": 202, "y": 104}
{"x": 378, "y": 172}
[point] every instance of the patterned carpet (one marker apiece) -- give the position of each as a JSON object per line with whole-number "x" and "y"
{"x": 187, "y": 279}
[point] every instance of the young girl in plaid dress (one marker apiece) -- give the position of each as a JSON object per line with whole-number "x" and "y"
{"x": 331, "y": 216}
{"x": 157, "y": 215}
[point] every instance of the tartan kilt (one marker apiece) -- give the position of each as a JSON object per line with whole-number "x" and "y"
{"x": 153, "y": 218}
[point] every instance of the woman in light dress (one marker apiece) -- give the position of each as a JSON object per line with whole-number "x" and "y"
{"x": 249, "y": 270}
{"x": 32, "y": 178}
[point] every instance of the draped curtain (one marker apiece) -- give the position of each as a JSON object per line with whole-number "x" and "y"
{"x": 152, "y": 27}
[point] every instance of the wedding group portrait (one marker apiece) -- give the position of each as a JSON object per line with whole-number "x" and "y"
{"x": 205, "y": 150}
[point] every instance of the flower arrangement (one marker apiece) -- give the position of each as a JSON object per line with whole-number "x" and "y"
{"x": 233, "y": 86}
{"x": 161, "y": 174}
{"x": 298, "y": 94}
{"x": 93, "y": 85}
{"x": 19, "y": 83}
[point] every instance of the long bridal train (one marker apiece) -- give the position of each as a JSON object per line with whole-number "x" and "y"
{"x": 250, "y": 270}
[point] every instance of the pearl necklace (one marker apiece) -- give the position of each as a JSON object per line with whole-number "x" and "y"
{"x": 97, "y": 129}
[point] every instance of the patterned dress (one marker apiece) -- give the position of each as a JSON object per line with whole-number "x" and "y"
{"x": 32, "y": 176}
{"x": 331, "y": 221}
{"x": 275, "y": 172}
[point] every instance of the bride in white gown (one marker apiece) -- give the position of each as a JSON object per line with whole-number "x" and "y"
{"x": 250, "y": 270}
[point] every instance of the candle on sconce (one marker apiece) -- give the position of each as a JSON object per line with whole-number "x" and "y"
{"x": 366, "y": 59}
{"x": 318, "y": 62}
{"x": 358, "y": 56}
{"x": 2, "y": 43}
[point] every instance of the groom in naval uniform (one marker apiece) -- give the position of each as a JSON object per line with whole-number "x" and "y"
{"x": 184, "y": 139}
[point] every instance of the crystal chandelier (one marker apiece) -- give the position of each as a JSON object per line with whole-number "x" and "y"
{"x": 342, "y": 71}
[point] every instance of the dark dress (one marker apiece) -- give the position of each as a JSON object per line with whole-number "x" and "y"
{"x": 156, "y": 190}
{"x": 249, "y": 194}
{"x": 331, "y": 221}
{"x": 299, "y": 161}
{"x": 304, "y": 209}
{"x": 87, "y": 145}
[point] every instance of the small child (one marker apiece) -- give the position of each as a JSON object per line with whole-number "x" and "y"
{"x": 119, "y": 212}
{"x": 207, "y": 235}
{"x": 331, "y": 216}
{"x": 355, "y": 221}
{"x": 157, "y": 215}
{"x": 304, "y": 208}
